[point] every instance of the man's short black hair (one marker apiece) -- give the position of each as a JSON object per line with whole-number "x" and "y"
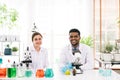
{"x": 75, "y": 30}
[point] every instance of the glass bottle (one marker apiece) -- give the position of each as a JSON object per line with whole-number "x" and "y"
{"x": 49, "y": 73}
{"x": 40, "y": 73}
{"x": 28, "y": 71}
{"x": 20, "y": 72}
{"x": 11, "y": 71}
{"x": 2, "y": 70}
{"x": 74, "y": 71}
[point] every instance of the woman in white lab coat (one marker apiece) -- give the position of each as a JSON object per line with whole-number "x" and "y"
{"x": 39, "y": 55}
{"x": 77, "y": 52}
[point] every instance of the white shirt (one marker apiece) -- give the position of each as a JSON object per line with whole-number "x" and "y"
{"x": 39, "y": 59}
{"x": 86, "y": 58}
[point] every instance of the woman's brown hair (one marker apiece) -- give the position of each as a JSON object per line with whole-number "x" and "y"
{"x": 34, "y": 34}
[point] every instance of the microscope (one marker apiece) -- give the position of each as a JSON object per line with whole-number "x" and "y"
{"x": 27, "y": 57}
{"x": 76, "y": 63}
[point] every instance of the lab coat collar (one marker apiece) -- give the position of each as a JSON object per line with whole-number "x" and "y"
{"x": 70, "y": 46}
{"x": 33, "y": 49}
{"x": 76, "y": 47}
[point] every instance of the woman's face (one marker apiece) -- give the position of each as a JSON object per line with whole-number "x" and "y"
{"x": 37, "y": 40}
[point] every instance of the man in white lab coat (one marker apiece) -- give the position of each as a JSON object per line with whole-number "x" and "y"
{"x": 77, "y": 52}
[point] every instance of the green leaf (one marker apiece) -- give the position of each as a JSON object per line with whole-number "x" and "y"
{"x": 87, "y": 40}
{"x": 8, "y": 16}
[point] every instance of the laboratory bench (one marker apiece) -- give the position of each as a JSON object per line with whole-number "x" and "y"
{"x": 105, "y": 63}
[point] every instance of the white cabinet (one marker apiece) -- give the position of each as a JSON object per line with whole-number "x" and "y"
{"x": 13, "y": 52}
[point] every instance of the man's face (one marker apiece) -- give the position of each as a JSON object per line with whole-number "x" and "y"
{"x": 74, "y": 38}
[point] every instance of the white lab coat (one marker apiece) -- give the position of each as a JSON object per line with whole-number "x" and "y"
{"x": 87, "y": 58}
{"x": 39, "y": 59}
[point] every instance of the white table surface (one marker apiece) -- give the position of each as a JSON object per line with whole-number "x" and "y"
{"x": 87, "y": 75}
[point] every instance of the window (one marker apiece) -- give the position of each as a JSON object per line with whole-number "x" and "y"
{"x": 106, "y": 28}
{"x": 106, "y": 13}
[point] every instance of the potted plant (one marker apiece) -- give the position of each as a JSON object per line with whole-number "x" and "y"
{"x": 87, "y": 40}
{"x": 107, "y": 56}
{"x": 14, "y": 50}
